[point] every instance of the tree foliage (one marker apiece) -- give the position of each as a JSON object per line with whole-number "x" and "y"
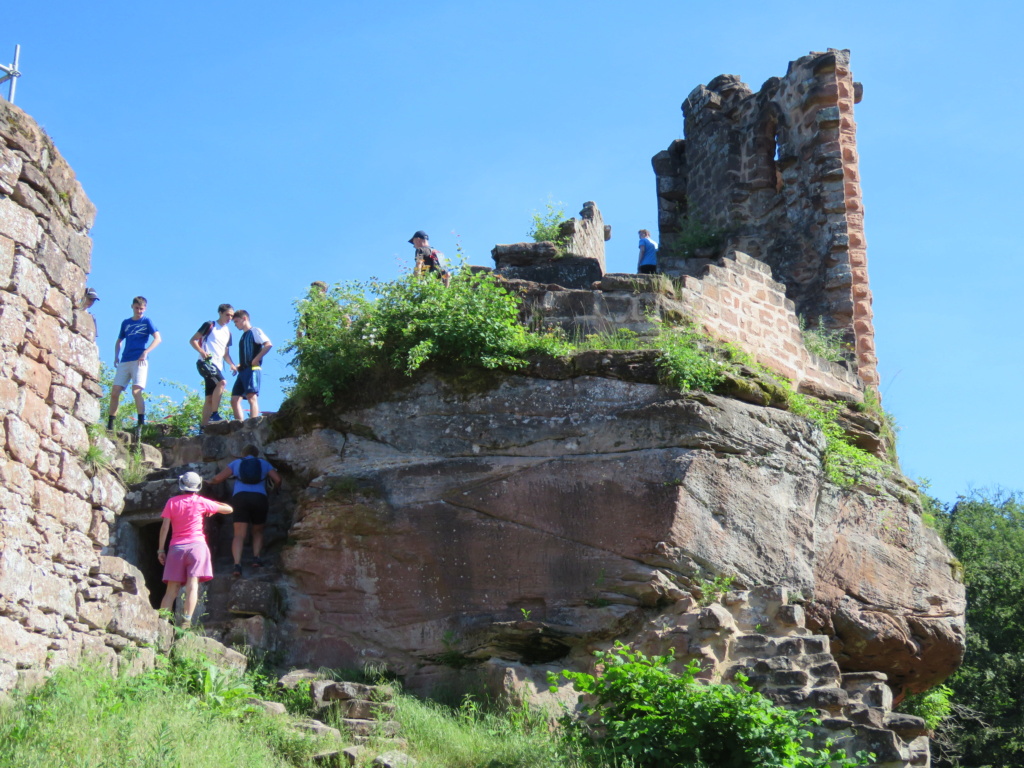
{"x": 986, "y": 534}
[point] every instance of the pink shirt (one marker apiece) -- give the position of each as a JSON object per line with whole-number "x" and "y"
{"x": 186, "y": 513}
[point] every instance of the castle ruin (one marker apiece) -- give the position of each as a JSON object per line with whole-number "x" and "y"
{"x": 774, "y": 174}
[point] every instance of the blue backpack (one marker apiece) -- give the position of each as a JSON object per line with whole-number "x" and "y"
{"x": 250, "y": 470}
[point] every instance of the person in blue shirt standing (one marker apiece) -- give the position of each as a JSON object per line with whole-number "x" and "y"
{"x": 648, "y": 263}
{"x": 249, "y": 501}
{"x": 132, "y": 365}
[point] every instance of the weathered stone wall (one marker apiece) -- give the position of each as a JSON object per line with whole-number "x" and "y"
{"x": 777, "y": 171}
{"x": 733, "y": 299}
{"x": 60, "y": 596}
{"x": 588, "y": 234}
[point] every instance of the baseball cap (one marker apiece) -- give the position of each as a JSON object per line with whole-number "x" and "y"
{"x": 190, "y": 482}
{"x": 419, "y": 233}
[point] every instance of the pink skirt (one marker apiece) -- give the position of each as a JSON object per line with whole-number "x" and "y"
{"x": 187, "y": 560}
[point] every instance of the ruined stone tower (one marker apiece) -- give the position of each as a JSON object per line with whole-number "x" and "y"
{"x": 774, "y": 174}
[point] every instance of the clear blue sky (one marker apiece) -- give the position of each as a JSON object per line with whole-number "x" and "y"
{"x": 239, "y": 150}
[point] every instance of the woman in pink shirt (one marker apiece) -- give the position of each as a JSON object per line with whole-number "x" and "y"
{"x": 188, "y": 561}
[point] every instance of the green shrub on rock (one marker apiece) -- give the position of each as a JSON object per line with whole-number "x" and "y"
{"x": 641, "y": 714}
{"x": 356, "y": 330}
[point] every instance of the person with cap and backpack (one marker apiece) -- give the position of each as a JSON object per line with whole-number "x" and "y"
{"x": 250, "y": 502}
{"x": 428, "y": 260}
{"x": 213, "y": 343}
{"x": 187, "y": 561}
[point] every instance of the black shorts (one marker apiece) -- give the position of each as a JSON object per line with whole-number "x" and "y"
{"x": 648, "y": 269}
{"x": 212, "y": 375}
{"x": 250, "y": 507}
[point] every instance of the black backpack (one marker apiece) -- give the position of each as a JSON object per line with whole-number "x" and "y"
{"x": 250, "y": 470}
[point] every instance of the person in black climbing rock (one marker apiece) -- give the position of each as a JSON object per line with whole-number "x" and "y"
{"x": 250, "y": 502}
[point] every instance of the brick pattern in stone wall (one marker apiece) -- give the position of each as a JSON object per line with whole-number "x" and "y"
{"x": 60, "y": 595}
{"x": 777, "y": 170}
{"x": 734, "y": 299}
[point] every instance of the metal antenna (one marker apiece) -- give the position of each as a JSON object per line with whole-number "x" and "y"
{"x": 12, "y": 74}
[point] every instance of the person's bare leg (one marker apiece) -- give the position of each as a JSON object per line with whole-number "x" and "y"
{"x": 254, "y": 406}
{"x": 173, "y": 587}
{"x": 236, "y": 407}
{"x": 140, "y": 403}
{"x": 115, "y": 399}
{"x": 218, "y": 393}
{"x": 257, "y": 539}
{"x": 239, "y": 541}
{"x": 207, "y": 409}
{"x": 191, "y": 597}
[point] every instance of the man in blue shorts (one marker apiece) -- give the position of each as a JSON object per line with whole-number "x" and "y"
{"x": 213, "y": 342}
{"x": 132, "y": 366}
{"x": 250, "y": 502}
{"x": 252, "y": 347}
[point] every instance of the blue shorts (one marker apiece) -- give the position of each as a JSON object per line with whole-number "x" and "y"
{"x": 247, "y": 383}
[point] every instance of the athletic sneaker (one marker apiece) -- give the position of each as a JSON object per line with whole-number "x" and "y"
{"x": 236, "y": 572}
{"x": 257, "y": 562}
{"x": 215, "y": 417}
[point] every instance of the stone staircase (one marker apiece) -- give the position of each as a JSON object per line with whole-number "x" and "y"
{"x": 768, "y": 644}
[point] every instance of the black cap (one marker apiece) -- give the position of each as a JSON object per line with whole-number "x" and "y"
{"x": 421, "y": 234}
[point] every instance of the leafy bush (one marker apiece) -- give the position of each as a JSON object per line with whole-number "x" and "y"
{"x": 695, "y": 234}
{"x": 357, "y": 331}
{"x": 687, "y": 359}
{"x": 824, "y": 342}
{"x": 843, "y": 463}
{"x": 643, "y": 714}
{"x": 933, "y": 706}
{"x": 547, "y": 226}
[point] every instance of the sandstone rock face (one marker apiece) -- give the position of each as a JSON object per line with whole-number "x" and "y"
{"x": 537, "y": 517}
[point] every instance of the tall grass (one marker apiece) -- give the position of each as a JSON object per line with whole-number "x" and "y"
{"x": 469, "y": 737}
{"x": 85, "y": 718}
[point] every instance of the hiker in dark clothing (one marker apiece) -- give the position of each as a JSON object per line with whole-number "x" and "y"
{"x": 250, "y": 502}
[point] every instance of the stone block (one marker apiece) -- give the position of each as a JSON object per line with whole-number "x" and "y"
{"x": 715, "y": 617}
{"x": 791, "y": 678}
{"x": 19, "y": 224}
{"x": 22, "y": 440}
{"x": 214, "y": 652}
{"x": 830, "y": 699}
{"x": 317, "y": 728}
{"x": 6, "y": 262}
{"x": 790, "y": 616}
{"x": 250, "y": 597}
{"x": 393, "y": 759}
{"x": 31, "y": 280}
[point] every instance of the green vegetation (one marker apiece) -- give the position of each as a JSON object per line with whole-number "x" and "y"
{"x": 645, "y": 716}
{"x": 844, "y": 464}
{"x": 165, "y": 416}
{"x": 547, "y": 226}
{"x": 364, "y": 339}
{"x": 986, "y": 535}
{"x": 824, "y": 342}
{"x": 469, "y": 736}
{"x": 933, "y": 706}
{"x": 183, "y": 713}
{"x": 696, "y": 235}
{"x": 714, "y": 590}
{"x": 372, "y": 333}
